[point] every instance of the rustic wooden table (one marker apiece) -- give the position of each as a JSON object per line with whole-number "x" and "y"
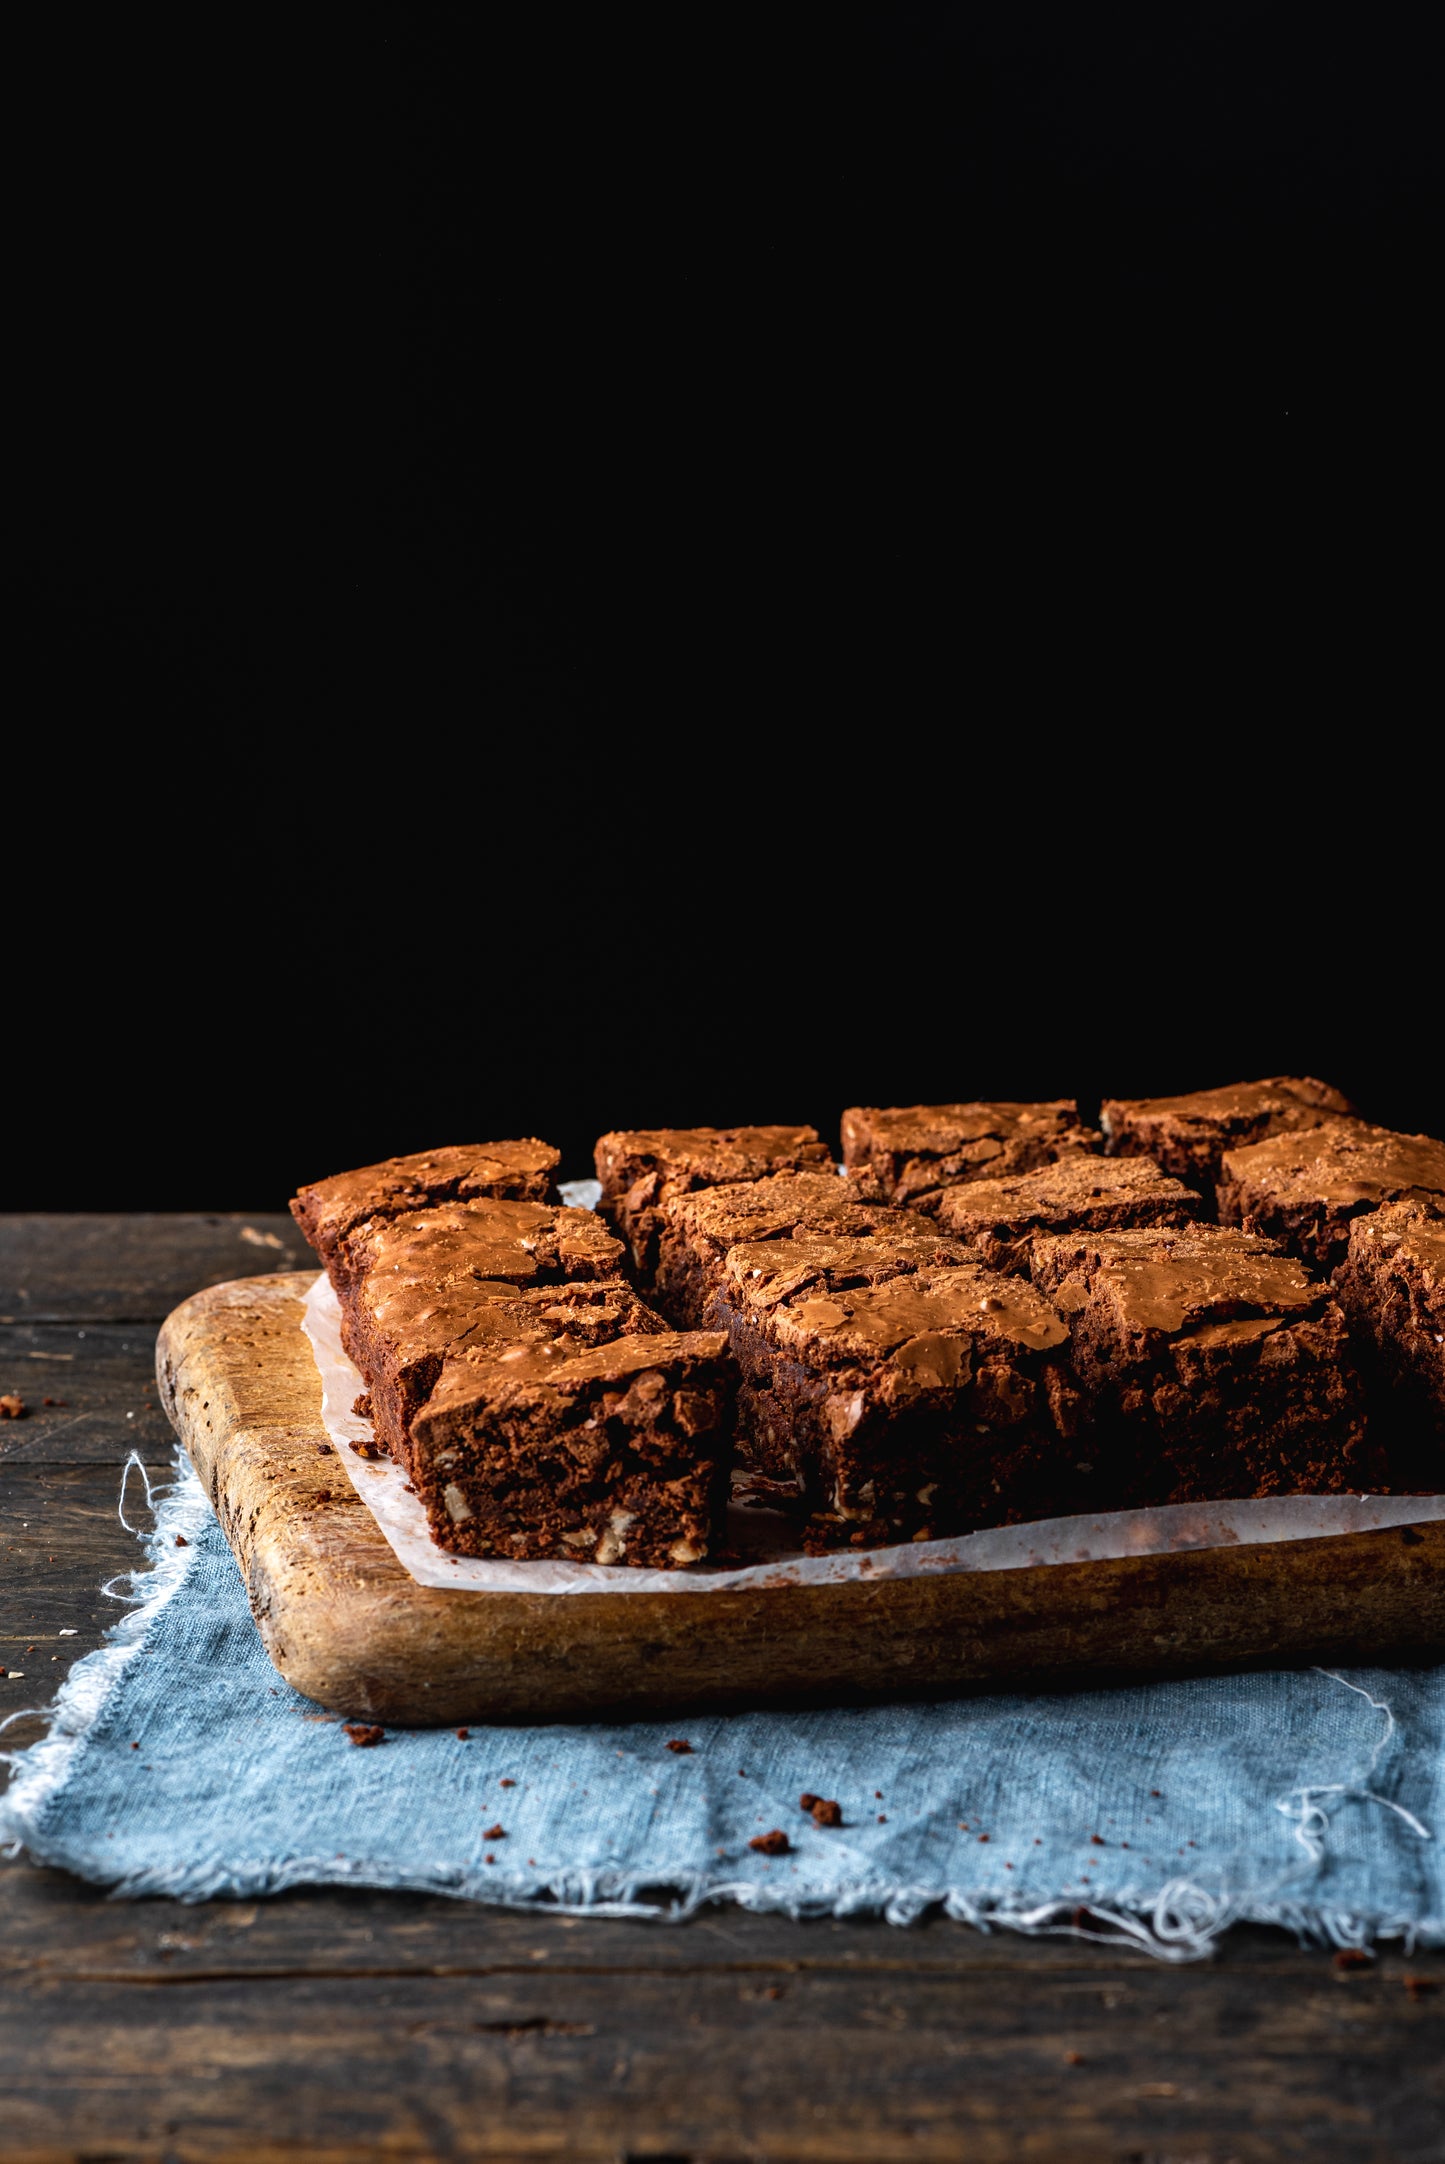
{"x": 346, "y": 2024}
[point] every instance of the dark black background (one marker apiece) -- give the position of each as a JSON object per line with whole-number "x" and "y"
{"x": 585, "y": 568}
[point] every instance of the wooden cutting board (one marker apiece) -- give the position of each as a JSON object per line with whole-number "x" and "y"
{"x": 345, "y": 1624}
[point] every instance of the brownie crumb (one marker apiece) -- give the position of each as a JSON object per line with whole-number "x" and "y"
{"x": 495, "y": 1833}
{"x": 775, "y": 1843}
{"x": 362, "y": 1406}
{"x": 822, "y": 1810}
{"x": 135, "y": 1746}
{"x": 1350, "y": 1957}
{"x": 463, "y": 1734}
{"x": 368, "y": 1450}
{"x": 181, "y": 1541}
{"x": 1420, "y": 1987}
{"x": 363, "y": 1733}
{"x": 684, "y": 1750}
{"x": 1097, "y": 1839}
{"x": 1073, "y": 2058}
{"x": 12, "y": 1407}
{"x": 323, "y": 1450}
{"x": 506, "y": 1781}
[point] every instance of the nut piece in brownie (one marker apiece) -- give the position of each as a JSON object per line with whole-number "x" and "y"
{"x": 1391, "y": 1286}
{"x": 410, "y": 1288}
{"x": 1303, "y": 1189}
{"x": 642, "y": 1168}
{"x": 1001, "y": 1218}
{"x": 505, "y": 1171}
{"x": 911, "y": 1153}
{"x": 617, "y": 1454}
{"x": 697, "y": 1230}
{"x": 917, "y": 1403}
{"x": 1187, "y": 1136}
{"x": 1212, "y": 1365}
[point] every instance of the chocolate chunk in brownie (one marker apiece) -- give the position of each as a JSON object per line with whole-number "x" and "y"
{"x": 1211, "y": 1364}
{"x": 1001, "y": 1218}
{"x": 696, "y": 1230}
{"x": 505, "y": 1171}
{"x": 642, "y": 1168}
{"x": 911, "y": 1153}
{"x": 616, "y": 1454}
{"x": 413, "y": 1289}
{"x": 1303, "y": 1189}
{"x": 920, "y": 1402}
{"x": 1187, "y": 1136}
{"x": 1391, "y": 1286}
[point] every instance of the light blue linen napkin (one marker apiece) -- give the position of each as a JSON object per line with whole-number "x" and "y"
{"x": 179, "y": 1763}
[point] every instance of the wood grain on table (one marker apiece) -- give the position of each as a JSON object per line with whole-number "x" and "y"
{"x": 348, "y": 2024}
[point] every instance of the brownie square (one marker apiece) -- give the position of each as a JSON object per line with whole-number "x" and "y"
{"x": 1002, "y": 1218}
{"x": 1391, "y": 1286}
{"x": 696, "y": 1230}
{"x": 906, "y": 1398}
{"x": 1211, "y": 1365}
{"x": 909, "y": 1154}
{"x": 505, "y": 1171}
{"x": 412, "y": 1288}
{"x": 1303, "y": 1189}
{"x": 641, "y": 1169}
{"x": 1187, "y": 1136}
{"x": 614, "y": 1454}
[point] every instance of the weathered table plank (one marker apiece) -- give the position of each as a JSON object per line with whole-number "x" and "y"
{"x": 346, "y": 2022}
{"x": 78, "y": 1268}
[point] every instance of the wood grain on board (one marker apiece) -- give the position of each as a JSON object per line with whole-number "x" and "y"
{"x": 346, "y": 1625}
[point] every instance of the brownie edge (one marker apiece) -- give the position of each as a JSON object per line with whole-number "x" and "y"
{"x": 908, "y": 1154}
{"x": 1391, "y": 1285}
{"x": 1187, "y": 1136}
{"x": 616, "y": 1453}
{"x": 520, "y": 1171}
{"x": 641, "y": 1169}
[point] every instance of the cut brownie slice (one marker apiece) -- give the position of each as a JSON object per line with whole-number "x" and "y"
{"x": 696, "y": 1230}
{"x": 1212, "y": 1365}
{"x": 1391, "y": 1285}
{"x": 1187, "y": 1136}
{"x": 907, "y": 1405}
{"x": 505, "y": 1171}
{"x": 1304, "y": 1189}
{"x": 618, "y": 1454}
{"x": 1001, "y": 1218}
{"x": 412, "y": 1288}
{"x": 911, "y": 1153}
{"x": 642, "y": 1168}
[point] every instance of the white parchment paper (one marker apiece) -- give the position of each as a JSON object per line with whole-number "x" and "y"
{"x": 764, "y": 1535}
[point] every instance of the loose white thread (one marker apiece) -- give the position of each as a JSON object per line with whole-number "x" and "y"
{"x": 1311, "y": 1821}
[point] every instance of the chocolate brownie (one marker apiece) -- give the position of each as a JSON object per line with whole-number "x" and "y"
{"x": 1211, "y": 1364}
{"x": 915, "y": 1403}
{"x": 911, "y": 1153}
{"x": 1303, "y": 1189}
{"x": 642, "y": 1168}
{"x": 1187, "y": 1136}
{"x": 1391, "y": 1286}
{"x": 697, "y": 1230}
{"x": 412, "y": 1289}
{"x": 615, "y": 1454}
{"x": 505, "y": 1171}
{"x": 1001, "y": 1218}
